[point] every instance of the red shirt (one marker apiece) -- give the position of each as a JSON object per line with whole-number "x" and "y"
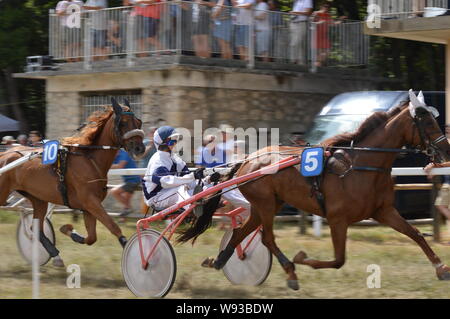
{"x": 149, "y": 10}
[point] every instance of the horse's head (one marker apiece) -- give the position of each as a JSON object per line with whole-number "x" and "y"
{"x": 426, "y": 132}
{"x": 127, "y": 129}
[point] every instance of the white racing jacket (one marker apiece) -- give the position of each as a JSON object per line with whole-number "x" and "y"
{"x": 165, "y": 170}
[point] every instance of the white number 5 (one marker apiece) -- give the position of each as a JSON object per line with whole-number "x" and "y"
{"x": 311, "y": 162}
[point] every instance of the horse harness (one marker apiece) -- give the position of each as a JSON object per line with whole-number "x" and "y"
{"x": 60, "y": 167}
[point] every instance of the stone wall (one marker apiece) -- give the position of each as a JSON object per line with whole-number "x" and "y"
{"x": 181, "y": 94}
{"x": 63, "y": 114}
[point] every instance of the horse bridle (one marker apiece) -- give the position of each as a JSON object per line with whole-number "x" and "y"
{"x": 431, "y": 147}
{"x": 118, "y": 135}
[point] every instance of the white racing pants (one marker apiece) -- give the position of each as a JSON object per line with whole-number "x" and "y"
{"x": 171, "y": 196}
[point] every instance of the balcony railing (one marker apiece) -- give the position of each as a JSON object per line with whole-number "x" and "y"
{"x": 403, "y": 9}
{"x": 187, "y": 28}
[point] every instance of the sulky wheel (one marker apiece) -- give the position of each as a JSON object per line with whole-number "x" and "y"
{"x": 158, "y": 278}
{"x": 254, "y": 268}
{"x": 24, "y": 238}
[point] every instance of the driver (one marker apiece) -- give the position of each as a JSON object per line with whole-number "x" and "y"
{"x": 168, "y": 180}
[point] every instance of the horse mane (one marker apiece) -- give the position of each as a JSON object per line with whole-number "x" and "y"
{"x": 95, "y": 123}
{"x": 373, "y": 122}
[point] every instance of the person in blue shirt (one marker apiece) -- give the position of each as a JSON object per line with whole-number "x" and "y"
{"x": 124, "y": 192}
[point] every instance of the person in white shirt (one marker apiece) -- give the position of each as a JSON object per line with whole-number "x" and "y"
{"x": 99, "y": 25}
{"x": 262, "y": 29}
{"x": 168, "y": 181}
{"x": 298, "y": 29}
{"x": 242, "y": 25}
{"x": 70, "y": 34}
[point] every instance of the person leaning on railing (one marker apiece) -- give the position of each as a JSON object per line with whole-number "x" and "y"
{"x": 242, "y": 25}
{"x": 70, "y": 35}
{"x": 221, "y": 16}
{"x": 200, "y": 27}
{"x": 99, "y": 27}
{"x": 262, "y": 29}
{"x": 299, "y": 29}
{"x": 148, "y": 13}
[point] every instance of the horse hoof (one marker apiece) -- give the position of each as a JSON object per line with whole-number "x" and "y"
{"x": 293, "y": 284}
{"x": 443, "y": 273}
{"x": 208, "y": 262}
{"x": 58, "y": 262}
{"x": 300, "y": 257}
{"x": 66, "y": 229}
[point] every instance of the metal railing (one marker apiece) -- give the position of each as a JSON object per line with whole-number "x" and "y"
{"x": 187, "y": 28}
{"x": 403, "y": 9}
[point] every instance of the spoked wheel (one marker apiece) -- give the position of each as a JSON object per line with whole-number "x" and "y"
{"x": 158, "y": 278}
{"x": 254, "y": 268}
{"x": 24, "y": 236}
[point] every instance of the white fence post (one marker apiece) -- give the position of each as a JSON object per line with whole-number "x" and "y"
{"x": 251, "y": 42}
{"x": 312, "y": 43}
{"x": 130, "y": 39}
{"x": 35, "y": 258}
{"x": 317, "y": 225}
{"x": 87, "y": 43}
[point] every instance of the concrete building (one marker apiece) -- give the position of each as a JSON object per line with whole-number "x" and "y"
{"x": 173, "y": 85}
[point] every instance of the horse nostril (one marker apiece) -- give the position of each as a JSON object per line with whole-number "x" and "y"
{"x": 139, "y": 149}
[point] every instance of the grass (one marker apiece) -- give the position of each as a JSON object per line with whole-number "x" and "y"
{"x": 405, "y": 271}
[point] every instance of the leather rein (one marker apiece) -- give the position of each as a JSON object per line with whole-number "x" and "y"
{"x": 431, "y": 149}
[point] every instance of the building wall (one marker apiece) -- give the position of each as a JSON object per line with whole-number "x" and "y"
{"x": 180, "y": 95}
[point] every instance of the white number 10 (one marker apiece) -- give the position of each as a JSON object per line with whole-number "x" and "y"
{"x": 51, "y": 152}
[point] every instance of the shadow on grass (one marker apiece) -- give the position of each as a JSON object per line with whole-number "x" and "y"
{"x": 59, "y": 277}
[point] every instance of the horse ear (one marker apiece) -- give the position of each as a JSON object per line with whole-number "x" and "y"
{"x": 116, "y": 106}
{"x": 127, "y": 103}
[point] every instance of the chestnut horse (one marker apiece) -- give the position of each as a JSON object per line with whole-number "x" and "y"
{"x": 354, "y": 197}
{"x": 90, "y": 155}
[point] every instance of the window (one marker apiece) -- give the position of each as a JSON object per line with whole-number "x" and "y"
{"x": 94, "y": 102}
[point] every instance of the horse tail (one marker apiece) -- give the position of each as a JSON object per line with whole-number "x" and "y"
{"x": 202, "y": 223}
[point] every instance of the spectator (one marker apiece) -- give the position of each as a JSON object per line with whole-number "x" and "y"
{"x": 22, "y": 139}
{"x": 148, "y": 13}
{"x": 224, "y": 150}
{"x": 282, "y": 36}
{"x": 221, "y": 15}
{"x": 299, "y": 29}
{"x": 277, "y": 32}
{"x": 70, "y": 32}
{"x": 206, "y": 153}
{"x": 242, "y": 25}
{"x": 99, "y": 25}
{"x": 284, "y": 5}
{"x": 115, "y": 39}
{"x": 323, "y": 20}
{"x": 262, "y": 28}
{"x": 238, "y": 151}
{"x": 35, "y": 138}
{"x": 200, "y": 27}
{"x": 8, "y": 140}
{"x": 124, "y": 192}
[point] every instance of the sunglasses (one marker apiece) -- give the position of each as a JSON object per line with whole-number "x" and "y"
{"x": 172, "y": 142}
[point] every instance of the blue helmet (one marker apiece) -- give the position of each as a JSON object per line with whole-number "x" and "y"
{"x": 165, "y": 135}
